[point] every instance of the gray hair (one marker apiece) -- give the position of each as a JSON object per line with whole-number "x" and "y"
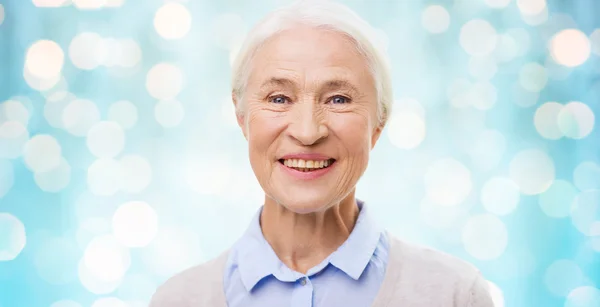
{"x": 321, "y": 14}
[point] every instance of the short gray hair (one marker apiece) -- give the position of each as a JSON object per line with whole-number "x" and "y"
{"x": 321, "y": 14}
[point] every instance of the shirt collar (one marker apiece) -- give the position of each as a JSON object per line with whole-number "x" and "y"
{"x": 257, "y": 259}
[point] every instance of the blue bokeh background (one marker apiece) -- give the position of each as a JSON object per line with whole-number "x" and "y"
{"x": 121, "y": 162}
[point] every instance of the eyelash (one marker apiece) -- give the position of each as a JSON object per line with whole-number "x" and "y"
{"x": 348, "y": 100}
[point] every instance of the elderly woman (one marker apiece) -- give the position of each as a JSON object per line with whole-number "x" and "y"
{"x": 312, "y": 90}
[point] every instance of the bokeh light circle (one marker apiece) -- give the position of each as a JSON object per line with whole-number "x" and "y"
{"x": 106, "y": 259}
{"x": 105, "y": 139}
{"x": 79, "y": 116}
{"x": 406, "y": 130}
{"x": 169, "y": 113}
{"x": 7, "y": 174}
{"x": 87, "y": 50}
{"x": 103, "y": 177}
{"x": 595, "y": 41}
{"x": 576, "y": 120}
{"x": 435, "y": 19}
{"x": 229, "y": 31}
{"x": 485, "y": 237}
{"x": 586, "y": 296}
{"x": 532, "y": 170}
{"x": 42, "y": 153}
{"x": 173, "y": 249}
{"x": 14, "y": 110}
{"x": 531, "y": 7}
{"x": 448, "y": 182}
{"x": 483, "y": 95}
{"x": 44, "y": 59}
{"x": 487, "y": 150}
{"x": 545, "y": 120}
{"x": 56, "y": 261}
{"x": 556, "y": 201}
{"x": 12, "y": 237}
{"x": 533, "y": 77}
{"x": 482, "y": 68}
{"x": 172, "y": 21}
{"x": 135, "y": 224}
{"x": 164, "y": 81}
{"x": 136, "y": 173}
{"x": 478, "y": 37}
{"x": 13, "y": 137}
{"x": 586, "y": 211}
{"x": 56, "y": 179}
{"x": 497, "y": 4}
{"x": 570, "y": 47}
{"x": 562, "y": 276}
{"x": 586, "y": 176}
{"x": 500, "y": 195}
{"x": 92, "y": 283}
{"x": 124, "y": 113}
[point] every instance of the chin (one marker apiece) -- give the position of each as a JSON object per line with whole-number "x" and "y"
{"x": 304, "y": 205}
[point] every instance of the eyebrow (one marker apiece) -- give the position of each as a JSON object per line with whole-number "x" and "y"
{"x": 334, "y": 84}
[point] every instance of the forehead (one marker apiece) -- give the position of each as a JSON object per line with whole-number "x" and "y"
{"x": 311, "y": 54}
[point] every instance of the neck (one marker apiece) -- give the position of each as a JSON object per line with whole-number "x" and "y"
{"x": 302, "y": 241}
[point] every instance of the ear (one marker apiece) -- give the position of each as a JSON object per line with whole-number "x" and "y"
{"x": 376, "y": 134}
{"x": 239, "y": 115}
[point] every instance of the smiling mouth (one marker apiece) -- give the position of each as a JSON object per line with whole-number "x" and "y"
{"x": 307, "y": 165}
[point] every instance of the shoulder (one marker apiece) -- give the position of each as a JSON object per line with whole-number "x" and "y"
{"x": 427, "y": 272}
{"x": 197, "y": 286}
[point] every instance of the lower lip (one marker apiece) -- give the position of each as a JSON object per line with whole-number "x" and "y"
{"x": 307, "y": 175}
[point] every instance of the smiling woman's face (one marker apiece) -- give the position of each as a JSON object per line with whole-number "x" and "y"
{"x": 310, "y": 117}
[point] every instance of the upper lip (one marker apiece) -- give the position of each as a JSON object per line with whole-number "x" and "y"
{"x": 306, "y": 156}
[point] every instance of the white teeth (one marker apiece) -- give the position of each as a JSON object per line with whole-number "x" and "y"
{"x": 299, "y": 163}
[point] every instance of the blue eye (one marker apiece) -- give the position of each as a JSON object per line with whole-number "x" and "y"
{"x": 278, "y": 99}
{"x": 339, "y": 100}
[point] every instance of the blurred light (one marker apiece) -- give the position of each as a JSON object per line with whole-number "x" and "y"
{"x": 14, "y": 110}
{"x": 55, "y": 106}
{"x": 485, "y": 237}
{"x": 586, "y": 176}
{"x": 483, "y": 68}
{"x": 556, "y": 71}
{"x": 441, "y": 217}
{"x": 87, "y": 50}
{"x": 1, "y": 14}
{"x": 497, "y": 4}
{"x": 533, "y": 77}
{"x": 136, "y": 173}
{"x": 209, "y": 175}
{"x": 44, "y": 59}
{"x": 458, "y": 93}
{"x": 90, "y": 228}
{"x": 562, "y": 276}
{"x": 103, "y": 177}
{"x": 113, "y": 52}
{"x": 500, "y": 195}
{"x": 595, "y": 41}
{"x": 12, "y": 237}
{"x": 483, "y": 95}
{"x": 448, "y": 182}
{"x": 496, "y": 294}
{"x": 521, "y": 36}
{"x": 531, "y": 7}
{"x": 406, "y": 104}
{"x": 556, "y": 201}
{"x": 56, "y": 179}
{"x": 164, "y": 81}
{"x": 137, "y": 286}
{"x": 13, "y": 137}
{"x": 435, "y": 19}
{"x": 576, "y": 120}
{"x": 135, "y": 224}
{"x": 65, "y": 303}
{"x": 478, "y": 37}
{"x": 406, "y": 130}
{"x": 570, "y": 47}
{"x": 506, "y": 49}
{"x": 79, "y": 116}
{"x": 172, "y": 21}
{"x": 173, "y": 250}
{"x": 105, "y": 139}
{"x": 54, "y": 261}
{"x": 595, "y": 236}
{"x": 109, "y": 302}
{"x": 106, "y": 259}
{"x": 7, "y": 174}
{"x": 524, "y": 98}
{"x": 92, "y": 283}
{"x": 129, "y": 53}
{"x": 169, "y": 113}
{"x": 537, "y": 19}
{"x": 586, "y": 210}
{"x": 586, "y": 296}
{"x": 40, "y": 84}
{"x": 88, "y": 4}
{"x": 546, "y": 120}
{"x": 42, "y": 153}
{"x": 532, "y": 170}
{"x": 124, "y": 113}
{"x": 229, "y": 30}
{"x": 50, "y": 3}
{"x": 114, "y": 3}
{"x": 487, "y": 150}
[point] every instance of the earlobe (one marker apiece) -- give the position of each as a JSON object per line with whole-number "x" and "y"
{"x": 376, "y": 135}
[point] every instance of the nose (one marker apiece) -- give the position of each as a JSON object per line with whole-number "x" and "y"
{"x": 307, "y": 124}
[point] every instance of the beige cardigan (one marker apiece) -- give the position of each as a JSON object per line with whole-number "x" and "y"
{"x": 415, "y": 277}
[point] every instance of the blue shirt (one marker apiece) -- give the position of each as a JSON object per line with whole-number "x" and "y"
{"x": 350, "y": 276}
